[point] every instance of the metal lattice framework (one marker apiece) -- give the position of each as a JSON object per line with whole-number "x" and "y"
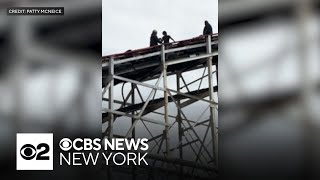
{"x": 167, "y": 103}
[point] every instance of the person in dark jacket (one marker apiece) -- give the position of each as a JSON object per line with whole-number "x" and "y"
{"x": 207, "y": 28}
{"x": 166, "y": 38}
{"x": 154, "y": 40}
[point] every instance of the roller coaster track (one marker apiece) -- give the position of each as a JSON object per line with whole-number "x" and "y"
{"x": 166, "y": 64}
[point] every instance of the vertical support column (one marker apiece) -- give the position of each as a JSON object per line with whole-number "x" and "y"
{"x": 180, "y": 130}
{"x": 111, "y": 97}
{"x": 111, "y": 107}
{"x": 133, "y": 135}
{"x": 214, "y": 131}
{"x": 166, "y": 101}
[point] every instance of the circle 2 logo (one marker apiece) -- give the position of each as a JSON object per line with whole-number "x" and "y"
{"x": 34, "y": 151}
{"x": 28, "y": 151}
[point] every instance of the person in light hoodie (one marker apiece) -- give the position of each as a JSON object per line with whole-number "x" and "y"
{"x": 154, "y": 40}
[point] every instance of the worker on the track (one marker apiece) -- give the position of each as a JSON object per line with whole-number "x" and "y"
{"x": 166, "y": 38}
{"x": 154, "y": 40}
{"x": 207, "y": 28}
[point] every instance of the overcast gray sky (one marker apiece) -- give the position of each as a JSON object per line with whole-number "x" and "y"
{"x": 127, "y": 24}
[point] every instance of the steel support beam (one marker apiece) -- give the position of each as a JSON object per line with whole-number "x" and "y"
{"x": 166, "y": 101}
{"x": 214, "y": 132}
{"x": 111, "y": 98}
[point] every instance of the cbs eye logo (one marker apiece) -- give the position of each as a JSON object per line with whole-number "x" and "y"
{"x": 28, "y": 151}
{"x": 65, "y": 144}
{"x": 34, "y": 151}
